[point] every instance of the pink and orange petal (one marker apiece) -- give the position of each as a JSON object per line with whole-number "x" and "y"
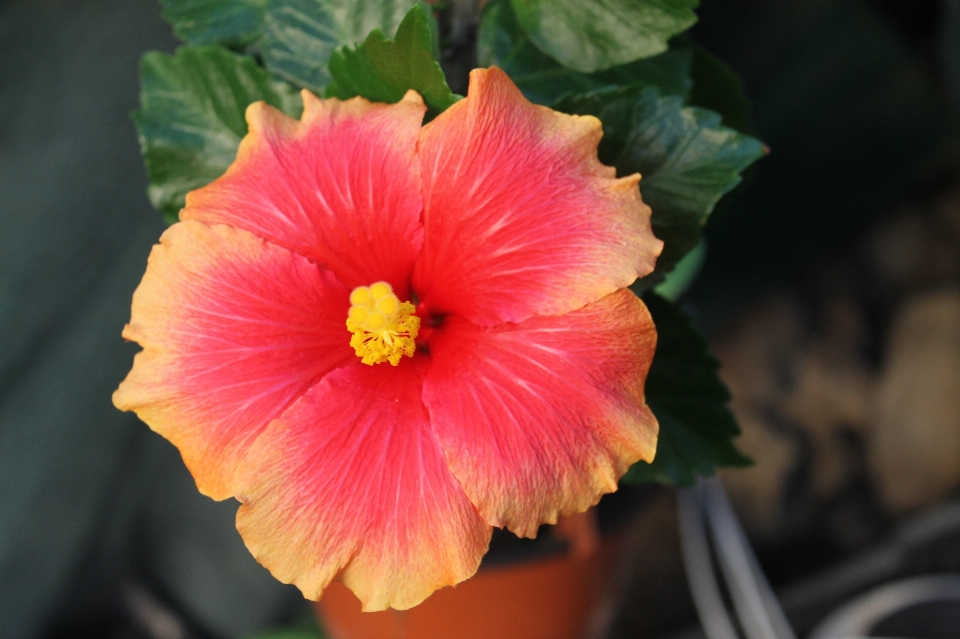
{"x": 515, "y": 196}
{"x": 233, "y": 330}
{"x": 351, "y": 481}
{"x": 341, "y": 186}
{"x": 542, "y": 418}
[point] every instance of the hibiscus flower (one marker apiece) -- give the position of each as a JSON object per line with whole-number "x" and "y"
{"x": 385, "y": 338}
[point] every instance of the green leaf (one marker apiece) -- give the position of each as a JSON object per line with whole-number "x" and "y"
{"x": 383, "y": 70}
{"x": 300, "y": 35}
{"x": 593, "y": 36}
{"x": 191, "y": 116}
{"x": 232, "y": 23}
{"x": 502, "y": 42}
{"x": 681, "y": 278}
{"x": 687, "y": 158}
{"x": 690, "y": 402}
{"x": 718, "y": 87}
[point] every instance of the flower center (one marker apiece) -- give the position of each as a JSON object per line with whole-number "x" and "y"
{"x": 384, "y": 328}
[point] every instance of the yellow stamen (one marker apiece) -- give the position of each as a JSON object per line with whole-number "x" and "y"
{"x": 388, "y": 305}
{"x": 384, "y": 329}
{"x": 358, "y": 314}
{"x": 379, "y": 290}
{"x": 360, "y": 295}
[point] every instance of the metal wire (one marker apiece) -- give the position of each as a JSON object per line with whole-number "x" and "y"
{"x": 698, "y": 564}
{"x": 757, "y": 607}
{"x": 758, "y": 612}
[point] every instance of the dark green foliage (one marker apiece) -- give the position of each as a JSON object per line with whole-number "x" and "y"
{"x": 301, "y": 35}
{"x": 191, "y": 116}
{"x": 596, "y": 35}
{"x": 690, "y": 402}
{"x": 232, "y": 23}
{"x": 502, "y": 42}
{"x": 717, "y": 87}
{"x": 383, "y": 70}
{"x": 687, "y": 158}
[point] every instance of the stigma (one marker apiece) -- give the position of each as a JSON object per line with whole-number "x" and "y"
{"x": 384, "y": 328}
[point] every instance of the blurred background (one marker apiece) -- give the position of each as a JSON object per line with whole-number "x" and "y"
{"x": 831, "y": 293}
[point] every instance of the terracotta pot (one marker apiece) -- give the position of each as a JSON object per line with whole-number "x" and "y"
{"x": 564, "y": 596}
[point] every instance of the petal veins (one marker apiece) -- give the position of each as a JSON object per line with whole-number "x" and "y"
{"x": 341, "y": 186}
{"x": 520, "y": 217}
{"x": 543, "y": 417}
{"x": 233, "y": 330}
{"x": 350, "y": 481}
